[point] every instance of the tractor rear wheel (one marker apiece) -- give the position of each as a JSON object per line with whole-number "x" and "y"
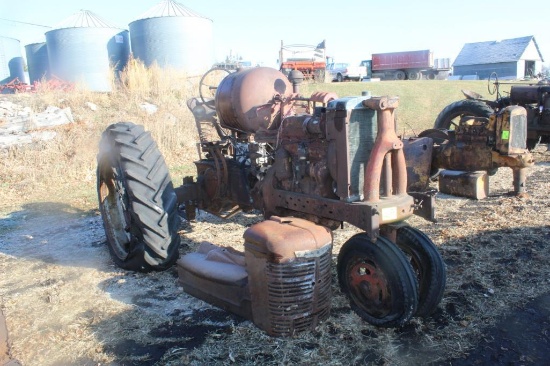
{"x": 428, "y": 266}
{"x": 378, "y": 280}
{"x": 449, "y": 117}
{"x": 137, "y": 200}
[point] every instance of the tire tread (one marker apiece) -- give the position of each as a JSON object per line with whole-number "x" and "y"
{"x": 153, "y": 201}
{"x": 432, "y": 286}
{"x": 465, "y": 106}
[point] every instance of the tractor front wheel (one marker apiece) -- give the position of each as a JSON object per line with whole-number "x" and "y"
{"x": 378, "y": 280}
{"x": 136, "y": 199}
{"x": 428, "y": 266}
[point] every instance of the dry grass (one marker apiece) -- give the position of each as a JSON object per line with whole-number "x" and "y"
{"x": 63, "y": 169}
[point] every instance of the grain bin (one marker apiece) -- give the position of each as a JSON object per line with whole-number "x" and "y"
{"x": 11, "y": 60}
{"x": 37, "y": 61}
{"x": 83, "y": 49}
{"x": 173, "y": 36}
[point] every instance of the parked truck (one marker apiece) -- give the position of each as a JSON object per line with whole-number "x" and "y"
{"x": 309, "y": 59}
{"x": 342, "y": 71}
{"x": 408, "y": 65}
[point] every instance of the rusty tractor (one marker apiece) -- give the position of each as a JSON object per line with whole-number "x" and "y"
{"x": 535, "y": 98}
{"x": 464, "y": 157}
{"x": 308, "y": 164}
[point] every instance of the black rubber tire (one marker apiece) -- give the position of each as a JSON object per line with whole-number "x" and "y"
{"x": 450, "y": 115}
{"x": 428, "y": 266}
{"x": 400, "y": 75}
{"x": 339, "y": 78}
{"x": 397, "y": 295}
{"x": 137, "y": 201}
{"x": 413, "y": 75}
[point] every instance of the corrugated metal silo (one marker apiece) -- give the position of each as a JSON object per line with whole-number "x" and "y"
{"x": 83, "y": 48}
{"x": 37, "y": 61}
{"x": 173, "y": 36}
{"x": 11, "y": 60}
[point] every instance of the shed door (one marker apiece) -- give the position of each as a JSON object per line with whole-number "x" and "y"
{"x": 529, "y": 69}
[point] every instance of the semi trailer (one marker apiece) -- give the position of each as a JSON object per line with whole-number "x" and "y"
{"x": 408, "y": 65}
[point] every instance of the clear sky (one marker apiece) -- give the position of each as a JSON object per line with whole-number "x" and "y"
{"x": 353, "y": 30}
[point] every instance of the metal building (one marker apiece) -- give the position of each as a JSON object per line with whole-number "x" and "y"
{"x": 37, "y": 61}
{"x": 11, "y": 60}
{"x": 173, "y": 36}
{"x": 514, "y": 58}
{"x": 84, "y": 48}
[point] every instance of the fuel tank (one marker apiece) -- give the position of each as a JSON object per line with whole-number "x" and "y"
{"x": 252, "y": 99}
{"x": 525, "y": 94}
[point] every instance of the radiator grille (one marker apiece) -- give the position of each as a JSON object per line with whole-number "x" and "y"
{"x": 299, "y": 293}
{"x": 362, "y": 133}
{"x": 361, "y": 125}
{"x": 518, "y": 131}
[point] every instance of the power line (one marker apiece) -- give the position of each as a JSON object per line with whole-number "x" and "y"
{"x": 16, "y": 21}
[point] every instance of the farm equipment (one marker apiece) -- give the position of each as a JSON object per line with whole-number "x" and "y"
{"x": 308, "y": 164}
{"x": 15, "y": 86}
{"x": 478, "y": 144}
{"x": 310, "y": 60}
{"x": 18, "y": 86}
{"x": 535, "y": 98}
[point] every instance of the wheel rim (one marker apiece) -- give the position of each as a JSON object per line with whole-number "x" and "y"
{"x": 454, "y": 121}
{"x": 114, "y": 201}
{"x": 368, "y": 287}
{"x": 417, "y": 265}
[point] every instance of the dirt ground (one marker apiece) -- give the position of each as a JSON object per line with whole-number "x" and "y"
{"x": 66, "y": 303}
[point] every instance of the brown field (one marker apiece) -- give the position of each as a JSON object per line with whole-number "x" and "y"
{"x": 67, "y": 304}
